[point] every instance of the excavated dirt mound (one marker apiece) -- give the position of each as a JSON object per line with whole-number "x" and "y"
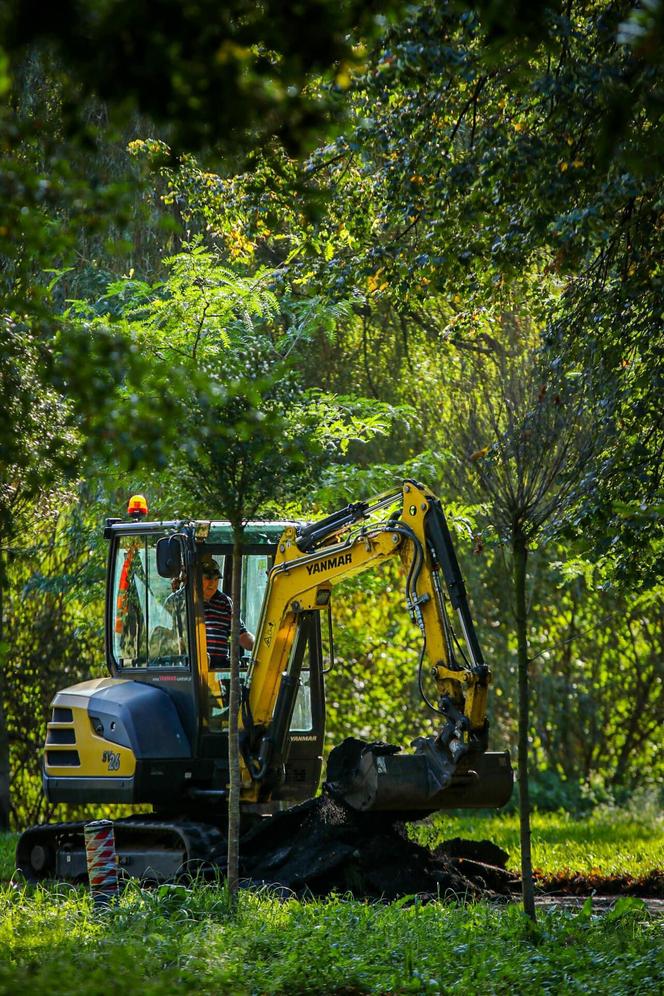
{"x": 569, "y": 883}
{"x": 322, "y": 847}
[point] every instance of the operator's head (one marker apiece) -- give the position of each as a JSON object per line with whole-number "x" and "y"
{"x": 210, "y": 575}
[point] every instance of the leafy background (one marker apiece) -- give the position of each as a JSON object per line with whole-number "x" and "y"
{"x": 427, "y": 242}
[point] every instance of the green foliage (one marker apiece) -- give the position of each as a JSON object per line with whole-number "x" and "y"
{"x": 54, "y": 633}
{"x": 38, "y": 443}
{"x": 211, "y": 380}
{"x": 7, "y": 855}
{"x": 489, "y": 157}
{"x": 374, "y": 678}
{"x": 491, "y": 181}
{"x": 606, "y": 718}
{"x": 71, "y": 213}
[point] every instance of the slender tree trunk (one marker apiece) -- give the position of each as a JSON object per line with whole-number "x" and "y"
{"x": 520, "y": 556}
{"x": 233, "y": 713}
{"x": 565, "y": 725}
{"x": 4, "y": 738}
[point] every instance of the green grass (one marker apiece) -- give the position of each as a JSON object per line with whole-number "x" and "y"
{"x": 608, "y": 842}
{"x": 176, "y": 940}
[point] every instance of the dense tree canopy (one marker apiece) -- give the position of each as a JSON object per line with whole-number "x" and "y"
{"x": 342, "y": 203}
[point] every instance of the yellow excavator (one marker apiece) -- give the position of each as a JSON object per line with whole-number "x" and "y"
{"x": 155, "y": 732}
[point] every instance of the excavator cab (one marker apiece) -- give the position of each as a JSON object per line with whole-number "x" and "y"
{"x": 156, "y": 730}
{"x": 166, "y": 608}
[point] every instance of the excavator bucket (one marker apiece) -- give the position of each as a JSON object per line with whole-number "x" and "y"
{"x": 379, "y": 778}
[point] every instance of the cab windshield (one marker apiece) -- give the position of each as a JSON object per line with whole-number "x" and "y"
{"x": 149, "y": 619}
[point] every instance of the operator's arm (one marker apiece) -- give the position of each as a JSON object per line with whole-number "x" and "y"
{"x": 245, "y": 639}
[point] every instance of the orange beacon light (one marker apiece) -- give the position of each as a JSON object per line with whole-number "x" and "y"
{"x": 137, "y": 507}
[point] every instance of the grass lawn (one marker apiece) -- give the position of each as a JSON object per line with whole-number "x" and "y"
{"x": 176, "y": 940}
{"x": 179, "y": 940}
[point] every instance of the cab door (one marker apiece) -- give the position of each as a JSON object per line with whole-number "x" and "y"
{"x": 303, "y": 753}
{"x": 149, "y": 636}
{"x": 256, "y": 562}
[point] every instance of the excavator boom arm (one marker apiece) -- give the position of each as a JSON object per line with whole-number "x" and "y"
{"x": 308, "y": 564}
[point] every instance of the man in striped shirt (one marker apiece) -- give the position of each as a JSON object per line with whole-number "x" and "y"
{"x": 217, "y": 609}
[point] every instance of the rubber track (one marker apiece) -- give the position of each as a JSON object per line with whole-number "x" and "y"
{"x": 203, "y": 844}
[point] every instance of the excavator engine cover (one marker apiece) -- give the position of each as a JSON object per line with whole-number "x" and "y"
{"x": 377, "y": 777}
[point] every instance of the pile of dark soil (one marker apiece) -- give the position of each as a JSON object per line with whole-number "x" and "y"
{"x": 570, "y": 883}
{"x": 323, "y": 846}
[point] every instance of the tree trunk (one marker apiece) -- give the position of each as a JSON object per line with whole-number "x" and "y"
{"x": 520, "y": 555}
{"x": 565, "y": 726}
{"x": 233, "y": 714}
{"x": 4, "y": 738}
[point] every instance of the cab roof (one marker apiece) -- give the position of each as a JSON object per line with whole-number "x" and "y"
{"x": 254, "y": 532}
{"x": 215, "y": 532}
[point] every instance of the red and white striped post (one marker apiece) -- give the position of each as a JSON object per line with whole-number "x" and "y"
{"x": 102, "y": 861}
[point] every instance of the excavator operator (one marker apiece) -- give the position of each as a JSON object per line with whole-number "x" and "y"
{"x": 218, "y": 608}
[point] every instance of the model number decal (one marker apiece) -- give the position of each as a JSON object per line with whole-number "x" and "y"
{"x": 112, "y": 759}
